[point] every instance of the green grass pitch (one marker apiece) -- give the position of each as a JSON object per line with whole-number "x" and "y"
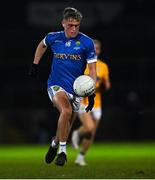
{"x": 105, "y": 161}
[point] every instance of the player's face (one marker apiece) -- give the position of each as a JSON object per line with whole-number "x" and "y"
{"x": 71, "y": 27}
{"x": 98, "y": 49}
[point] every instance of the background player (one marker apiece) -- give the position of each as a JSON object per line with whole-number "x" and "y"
{"x": 72, "y": 50}
{"x": 90, "y": 121}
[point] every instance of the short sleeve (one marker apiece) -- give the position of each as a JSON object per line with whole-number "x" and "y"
{"x": 91, "y": 54}
{"x": 49, "y": 39}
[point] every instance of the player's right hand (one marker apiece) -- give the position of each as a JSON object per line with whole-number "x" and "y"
{"x": 33, "y": 72}
{"x": 90, "y": 102}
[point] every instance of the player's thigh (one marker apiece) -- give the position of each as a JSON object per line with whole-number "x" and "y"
{"x": 87, "y": 121}
{"x": 96, "y": 114}
{"x": 61, "y": 101}
{"x": 96, "y": 124}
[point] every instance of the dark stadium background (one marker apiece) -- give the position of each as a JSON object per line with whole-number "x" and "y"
{"x": 126, "y": 29}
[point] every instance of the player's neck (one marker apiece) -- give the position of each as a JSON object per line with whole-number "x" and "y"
{"x": 69, "y": 37}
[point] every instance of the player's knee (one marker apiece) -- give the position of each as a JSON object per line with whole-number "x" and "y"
{"x": 88, "y": 135}
{"x": 67, "y": 112}
{"x": 90, "y": 129}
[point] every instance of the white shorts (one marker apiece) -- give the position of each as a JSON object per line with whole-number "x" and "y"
{"x": 96, "y": 112}
{"x": 74, "y": 100}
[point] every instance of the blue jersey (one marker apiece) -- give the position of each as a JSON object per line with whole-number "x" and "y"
{"x": 70, "y": 56}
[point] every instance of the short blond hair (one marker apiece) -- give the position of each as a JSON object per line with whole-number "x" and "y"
{"x": 96, "y": 41}
{"x": 70, "y": 12}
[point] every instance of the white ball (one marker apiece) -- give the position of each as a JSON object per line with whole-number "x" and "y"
{"x": 84, "y": 86}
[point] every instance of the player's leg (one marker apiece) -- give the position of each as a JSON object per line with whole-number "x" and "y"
{"x": 71, "y": 103}
{"x": 68, "y": 105}
{"x": 83, "y": 129}
{"x": 52, "y": 152}
{"x": 62, "y": 103}
{"x": 85, "y": 132}
{"x": 96, "y": 116}
{"x": 60, "y": 100}
{"x": 73, "y": 117}
{"x": 88, "y": 140}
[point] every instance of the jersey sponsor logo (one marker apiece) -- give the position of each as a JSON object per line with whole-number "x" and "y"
{"x": 76, "y": 48}
{"x": 77, "y": 43}
{"x": 67, "y": 56}
{"x": 68, "y": 43}
{"x": 56, "y": 88}
{"x": 58, "y": 41}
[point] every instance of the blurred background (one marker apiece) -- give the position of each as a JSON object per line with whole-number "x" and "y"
{"x": 126, "y": 29}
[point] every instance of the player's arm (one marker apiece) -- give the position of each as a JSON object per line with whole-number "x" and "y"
{"x": 107, "y": 83}
{"x": 37, "y": 57}
{"x": 92, "y": 70}
{"x": 92, "y": 74}
{"x": 106, "y": 78}
{"x": 39, "y": 52}
{"x": 91, "y": 61}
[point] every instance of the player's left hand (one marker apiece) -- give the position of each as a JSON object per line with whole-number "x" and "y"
{"x": 90, "y": 103}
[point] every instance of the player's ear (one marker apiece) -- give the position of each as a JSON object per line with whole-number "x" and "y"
{"x": 63, "y": 23}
